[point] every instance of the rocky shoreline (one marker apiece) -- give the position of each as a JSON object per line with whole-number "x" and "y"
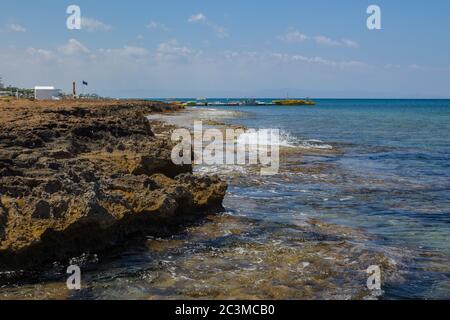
{"x": 77, "y": 176}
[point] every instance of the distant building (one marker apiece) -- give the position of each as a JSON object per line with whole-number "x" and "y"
{"x": 2, "y": 86}
{"x": 46, "y": 93}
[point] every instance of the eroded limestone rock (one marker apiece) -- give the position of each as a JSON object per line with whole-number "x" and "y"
{"x": 79, "y": 176}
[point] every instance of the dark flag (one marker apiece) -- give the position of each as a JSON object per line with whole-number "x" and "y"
{"x": 85, "y": 83}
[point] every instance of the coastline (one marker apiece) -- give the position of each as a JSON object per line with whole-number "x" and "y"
{"x": 310, "y": 252}
{"x": 85, "y": 176}
{"x": 258, "y": 260}
{"x": 256, "y": 247}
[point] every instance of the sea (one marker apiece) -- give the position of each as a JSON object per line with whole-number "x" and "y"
{"x": 391, "y": 178}
{"x": 361, "y": 183}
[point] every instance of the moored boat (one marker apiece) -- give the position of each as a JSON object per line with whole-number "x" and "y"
{"x": 294, "y": 102}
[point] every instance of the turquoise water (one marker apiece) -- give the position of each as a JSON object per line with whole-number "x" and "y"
{"x": 377, "y": 171}
{"x": 391, "y": 177}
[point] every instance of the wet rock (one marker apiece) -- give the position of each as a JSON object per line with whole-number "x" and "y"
{"x": 60, "y": 154}
{"x": 54, "y": 166}
{"x": 80, "y": 175}
{"x": 42, "y": 210}
{"x": 3, "y": 219}
{"x": 52, "y": 186}
{"x": 9, "y": 172}
{"x": 60, "y": 207}
{"x": 88, "y": 176}
{"x": 148, "y": 165}
{"x": 30, "y": 142}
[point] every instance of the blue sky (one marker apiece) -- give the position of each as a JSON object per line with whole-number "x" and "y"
{"x": 190, "y": 48}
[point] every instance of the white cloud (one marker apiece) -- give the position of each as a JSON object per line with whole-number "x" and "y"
{"x": 73, "y": 47}
{"x": 156, "y": 25}
{"x": 40, "y": 55}
{"x": 267, "y": 57}
{"x": 93, "y": 25}
{"x": 317, "y": 60}
{"x": 129, "y": 55}
{"x": 326, "y": 41}
{"x": 199, "y": 17}
{"x": 392, "y": 66}
{"x": 322, "y": 40}
{"x": 417, "y": 67}
{"x": 350, "y": 43}
{"x": 294, "y": 36}
{"x": 13, "y": 27}
{"x": 247, "y": 56}
{"x": 172, "y": 46}
{"x": 173, "y": 51}
{"x": 220, "y": 31}
{"x": 327, "y": 62}
{"x": 175, "y": 68}
{"x": 129, "y": 51}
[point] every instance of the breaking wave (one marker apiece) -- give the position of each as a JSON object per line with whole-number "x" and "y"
{"x": 285, "y": 139}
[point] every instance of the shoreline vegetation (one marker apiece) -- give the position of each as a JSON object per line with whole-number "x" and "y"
{"x": 87, "y": 175}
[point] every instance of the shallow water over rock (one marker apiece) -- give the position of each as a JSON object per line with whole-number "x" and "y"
{"x": 310, "y": 232}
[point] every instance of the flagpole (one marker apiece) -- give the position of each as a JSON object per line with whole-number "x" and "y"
{"x": 84, "y": 83}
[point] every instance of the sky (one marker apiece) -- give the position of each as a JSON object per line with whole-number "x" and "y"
{"x": 232, "y": 48}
